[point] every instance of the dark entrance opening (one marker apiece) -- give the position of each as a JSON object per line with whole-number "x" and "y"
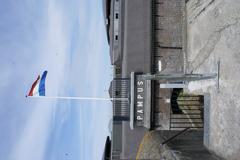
{"x": 187, "y": 110}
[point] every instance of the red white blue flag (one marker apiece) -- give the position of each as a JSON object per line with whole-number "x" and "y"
{"x": 38, "y": 86}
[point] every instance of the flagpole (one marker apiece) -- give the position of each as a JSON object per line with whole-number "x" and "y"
{"x": 81, "y": 98}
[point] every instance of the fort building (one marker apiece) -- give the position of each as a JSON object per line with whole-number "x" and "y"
{"x": 147, "y": 51}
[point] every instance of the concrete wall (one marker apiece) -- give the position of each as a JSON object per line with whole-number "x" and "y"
{"x": 137, "y": 37}
{"x": 116, "y": 140}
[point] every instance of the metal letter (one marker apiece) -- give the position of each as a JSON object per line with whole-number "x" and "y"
{"x": 140, "y": 90}
{"x": 139, "y": 118}
{"x": 140, "y": 83}
{"x": 139, "y": 96}
{"x": 140, "y": 104}
{"x": 140, "y": 111}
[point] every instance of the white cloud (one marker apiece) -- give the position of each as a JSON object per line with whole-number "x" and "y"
{"x": 95, "y": 76}
{"x": 52, "y": 49}
{"x": 33, "y": 139}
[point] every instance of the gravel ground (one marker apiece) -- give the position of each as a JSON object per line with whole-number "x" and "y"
{"x": 213, "y": 29}
{"x": 187, "y": 146}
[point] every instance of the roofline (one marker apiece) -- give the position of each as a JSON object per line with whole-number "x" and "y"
{"x": 106, "y": 14}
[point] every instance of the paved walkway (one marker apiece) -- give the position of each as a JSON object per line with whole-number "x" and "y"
{"x": 214, "y": 34}
{"x": 151, "y": 148}
{"x": 187, "y": 146}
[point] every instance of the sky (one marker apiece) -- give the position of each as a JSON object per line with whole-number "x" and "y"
{"x": 68, "y": 39}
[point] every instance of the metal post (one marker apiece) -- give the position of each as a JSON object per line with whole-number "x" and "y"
{"x": 178, "y": 77}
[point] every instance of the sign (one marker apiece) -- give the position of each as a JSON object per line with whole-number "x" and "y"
{"x": 139, "y": 105}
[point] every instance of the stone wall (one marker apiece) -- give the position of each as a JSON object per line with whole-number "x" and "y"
{"x": 168, "y": 34}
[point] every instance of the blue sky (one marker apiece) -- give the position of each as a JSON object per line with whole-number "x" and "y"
{"x": 67, "y": 38}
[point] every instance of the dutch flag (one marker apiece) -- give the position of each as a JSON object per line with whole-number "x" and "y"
{"x": 38, "y": 87}
{"x": 38, "y": 91}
